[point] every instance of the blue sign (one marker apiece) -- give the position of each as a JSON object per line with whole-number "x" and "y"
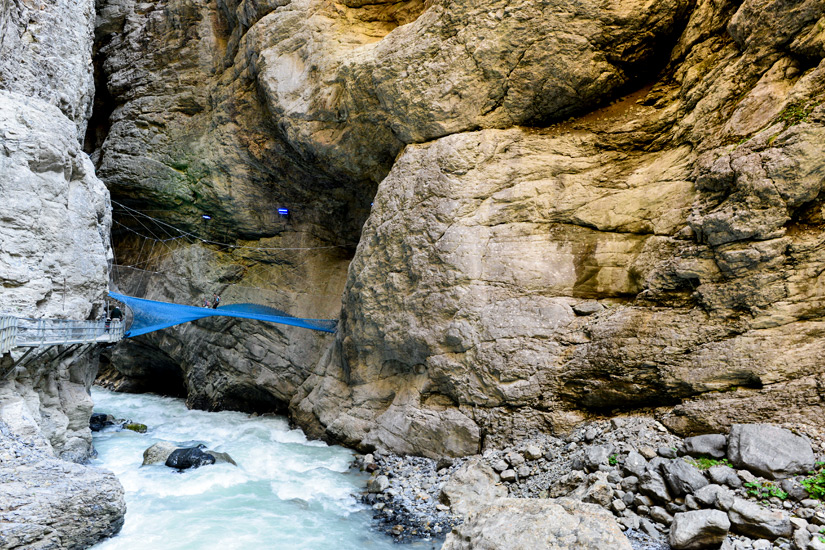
{"x": 283, "y": 211}
{"x": 206, "y": 217}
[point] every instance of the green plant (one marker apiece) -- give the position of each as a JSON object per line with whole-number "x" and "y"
{"x": 815, "y": 483}
{"x": 613, "y": 459}
{"x": 766, "y": 491}
{"x": 706, "y": 462}
{"x": 795, "y": 113}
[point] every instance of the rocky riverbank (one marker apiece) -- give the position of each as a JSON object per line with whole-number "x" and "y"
{"x": 750, "y": 489}
{"x": 46, "y": 502}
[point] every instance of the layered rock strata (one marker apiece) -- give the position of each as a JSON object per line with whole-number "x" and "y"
{"x": 520, "y": 270}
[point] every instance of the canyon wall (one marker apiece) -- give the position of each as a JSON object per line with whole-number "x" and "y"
{"x": 54, "y": 249}
{"x": 581, "y": 209}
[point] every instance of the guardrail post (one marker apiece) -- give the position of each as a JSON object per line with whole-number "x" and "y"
{"x": 8, "y": 333}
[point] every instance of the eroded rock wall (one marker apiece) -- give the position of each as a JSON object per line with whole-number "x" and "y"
{"x": 582, "y": 208}
{"x": 55, "y": 219}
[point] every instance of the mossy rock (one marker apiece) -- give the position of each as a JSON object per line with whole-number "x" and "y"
{"x": 135, "y": 427}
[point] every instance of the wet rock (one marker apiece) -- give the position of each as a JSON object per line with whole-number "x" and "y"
{"x": 136, "y": 427}
{"x": 158, "y": 452}
{"x": 192, "y": 457}
{"x": 99, "y": 421}
{"x": 528, "y": 524}
{"x": 221, "y": 457}
{"x": 713, "y": 445}
{"x": 698, "y": 529}
{"x": 769, "y": 451}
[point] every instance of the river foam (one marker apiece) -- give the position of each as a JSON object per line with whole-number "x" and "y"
{"x": 287, "y": 492}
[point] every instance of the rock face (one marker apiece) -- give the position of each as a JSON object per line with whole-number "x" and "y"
{"x": 54, "y": 250}
{"x": 769, "y": 451}
{"x": 657, "y": 250}
{"x": 520, "y": 524}
{"x": 51, "y": 503}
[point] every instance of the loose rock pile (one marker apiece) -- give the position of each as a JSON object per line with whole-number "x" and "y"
{"x": 739, "y": 491}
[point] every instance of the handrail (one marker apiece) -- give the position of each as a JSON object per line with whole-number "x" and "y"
{"x": 8, "y": 333}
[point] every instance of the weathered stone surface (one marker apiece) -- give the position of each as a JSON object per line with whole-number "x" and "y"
{"x": 690, "y": 207}
{"x": 158, "y": 452}
{"x": 698, "y": 529}
{"x": 682, "y": 478}
{"x": 522, "y": 524}
{"x": 753, "y": 520}
{"x": 653, "y": 484}
{"x": 378, "y": 484}
{"x": 471, "y": 486}
{"x": 191, "y": 457}
{"x": 713, "y": 445}
{"x": 769, "y": 451}
{"x": 635, "y": 464}
{"x": 51, "y": 503}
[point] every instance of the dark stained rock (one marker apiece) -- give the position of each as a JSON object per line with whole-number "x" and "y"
{"x": 192, "y": 457}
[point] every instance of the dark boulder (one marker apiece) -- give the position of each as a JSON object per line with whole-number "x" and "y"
{"x": 192, "y": 457}
{"x": 98, "y": 421}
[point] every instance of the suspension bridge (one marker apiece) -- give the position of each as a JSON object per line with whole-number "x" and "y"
{"x": 146, "y": 316}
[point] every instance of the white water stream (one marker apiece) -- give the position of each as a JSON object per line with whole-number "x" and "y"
{"x": 286, "y": 492}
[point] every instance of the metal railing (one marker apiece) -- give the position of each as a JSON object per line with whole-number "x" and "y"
{"x": 56, "y": 332}
{"x": 8, "y": 333}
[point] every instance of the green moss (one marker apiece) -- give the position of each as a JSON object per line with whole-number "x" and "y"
{"x": 613, "y": 459}
{"x": 766, "y": 491}
{"x": 706, "y": 462}
{"x": 795, "y": 113}
{"x": 135, "y": 427}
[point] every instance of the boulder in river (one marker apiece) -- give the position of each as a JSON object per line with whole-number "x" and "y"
{"x": 158, "y": 452}
{"x": 192, "y": 457}
{"x": 98, "y": 421}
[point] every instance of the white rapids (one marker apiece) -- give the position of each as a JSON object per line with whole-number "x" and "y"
{"x": 286, "y": 493}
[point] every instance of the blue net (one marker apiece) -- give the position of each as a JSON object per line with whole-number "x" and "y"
{"x": 150, "y": 315}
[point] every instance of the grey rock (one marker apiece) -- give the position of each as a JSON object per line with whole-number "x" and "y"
{"x": 630, "y": 483}
{"x": 647, "y": 452}
{"x": 769, "y": 451}
{"x": 158, "y": 452}
{"x": 634, "y": 464}
{"x": 666, "y": 452}
{"x": 587, "y": 308}
{"x": 751, "y": 519}
{"x": 618, "y": 506}
{"x": 660, "y": 515}
{"x": 473, "y": 484}
{"x": 698, "y": 529}
{"x": 566, "y": 484}
{"x": 653, "y": 485}
{"x": 724, "y": 475}
{"x": 682, "y": 478}
{"x": 715, "y": 496}
{"x": 523, "y": 471}
{"x": 596, "y": 456}
{"x": 527, "y": 524}
{"x": 378, "y": 484}
{"x": 221, "y": 457}
{"x": 514, "y": 459}
{"x": 500, "y": 465}
{"x": 599, "y": 491}
{"x": 532, "y": 452}
{"x": 794, "y": 489}
{"x": 713, "y": 445}
{"x": 692, "y": 503}
{"x": 649, "y": 527}
{"x": 508, "y": 475}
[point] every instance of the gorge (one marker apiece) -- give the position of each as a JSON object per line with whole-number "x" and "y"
{"x": 525, "y": 215}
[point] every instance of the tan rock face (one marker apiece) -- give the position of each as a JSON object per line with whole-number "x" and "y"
{"x": 689, "y": 209}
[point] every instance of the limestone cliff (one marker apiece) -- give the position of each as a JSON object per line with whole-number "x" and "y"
{"x": 55, "y": 219}
{"x": 583, "y": 208}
